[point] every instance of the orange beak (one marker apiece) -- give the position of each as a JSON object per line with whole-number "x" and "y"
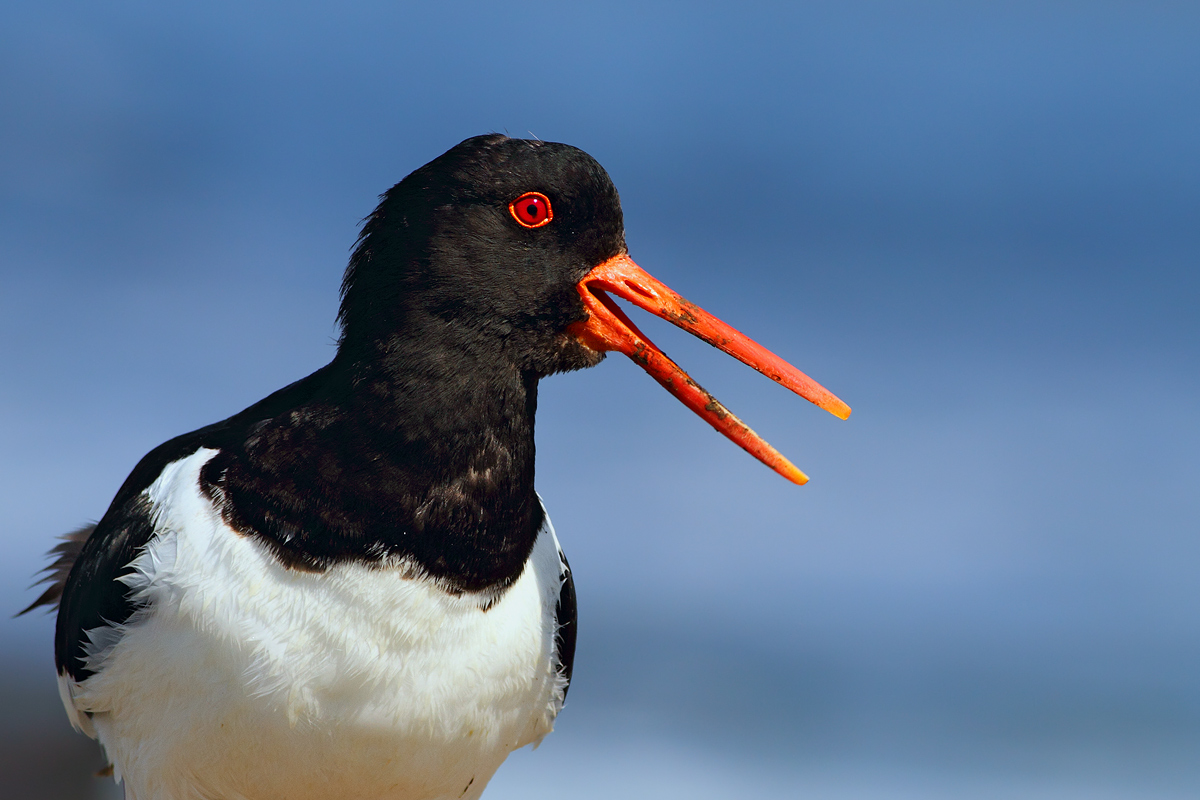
{"x": 608, "y": 328}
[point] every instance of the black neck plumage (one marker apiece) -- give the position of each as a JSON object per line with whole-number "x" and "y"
{"x": 420, "y": 456}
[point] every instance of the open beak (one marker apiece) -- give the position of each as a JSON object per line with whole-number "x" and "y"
{"x": 608, "y": 328}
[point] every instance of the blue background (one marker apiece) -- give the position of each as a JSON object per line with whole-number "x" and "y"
{"x": 979, "y": 224}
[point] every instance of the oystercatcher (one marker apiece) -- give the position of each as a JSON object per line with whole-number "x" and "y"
{"x": 351, "y": 589}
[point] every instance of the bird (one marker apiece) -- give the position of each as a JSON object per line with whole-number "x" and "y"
{"x": 352, "y": 588}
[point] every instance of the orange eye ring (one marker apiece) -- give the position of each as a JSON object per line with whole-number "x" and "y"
{"x": 531, "y": 210}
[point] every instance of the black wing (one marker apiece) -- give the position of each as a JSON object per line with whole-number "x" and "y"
{"x": 565, "y": 614}
{"x": 87, "y": 566}
{"x": 92, "y": 597}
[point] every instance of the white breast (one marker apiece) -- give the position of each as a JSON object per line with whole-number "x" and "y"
{"x": 247, "y": 680}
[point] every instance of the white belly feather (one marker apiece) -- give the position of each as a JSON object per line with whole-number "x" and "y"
{"x": 246, "y": 680}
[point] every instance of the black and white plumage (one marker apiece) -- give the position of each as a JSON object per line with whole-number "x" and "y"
{"x": 351, "y": 588}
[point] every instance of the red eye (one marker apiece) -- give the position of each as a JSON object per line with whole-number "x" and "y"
{"x": 531, "y": 209}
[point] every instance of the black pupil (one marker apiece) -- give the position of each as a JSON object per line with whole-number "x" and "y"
{"x": 532, "y": 209}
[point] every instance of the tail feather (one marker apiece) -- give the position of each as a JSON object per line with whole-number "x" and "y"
{"x": 65, "y": 553}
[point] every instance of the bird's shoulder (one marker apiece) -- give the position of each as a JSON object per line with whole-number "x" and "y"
{"x": 86, "y": 574}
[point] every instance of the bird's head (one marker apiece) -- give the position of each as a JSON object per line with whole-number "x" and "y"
{"x": 512, "y": 250}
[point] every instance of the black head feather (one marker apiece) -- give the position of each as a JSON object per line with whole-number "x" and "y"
{"x": 443, "y": 246}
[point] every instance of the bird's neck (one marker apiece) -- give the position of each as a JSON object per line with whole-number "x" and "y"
{"x": 419, "y": 456}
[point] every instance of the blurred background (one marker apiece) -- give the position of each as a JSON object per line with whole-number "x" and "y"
{"x": 979, "y": 224}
